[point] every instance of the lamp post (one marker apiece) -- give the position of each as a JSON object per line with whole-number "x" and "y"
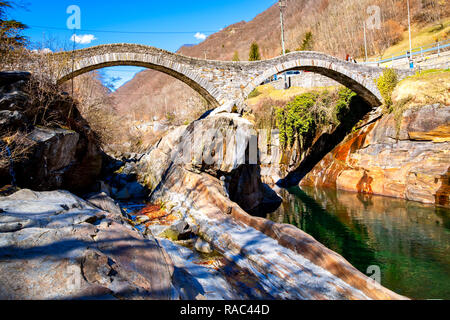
{"x": 410, "y": 38}
{"x": 282, "y": 4}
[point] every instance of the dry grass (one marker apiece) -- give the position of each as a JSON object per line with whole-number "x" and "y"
{"x": 423, "y": 89}
{"x": 420, "y": 37}
{"x": 19, "y": 145}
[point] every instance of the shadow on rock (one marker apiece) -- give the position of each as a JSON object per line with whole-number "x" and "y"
{"x": 327, "y": 142}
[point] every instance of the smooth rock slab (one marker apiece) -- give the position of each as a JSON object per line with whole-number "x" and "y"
{"x": 288, "y": 263}
{"x": 54, "y": 245}
{"x": 372, "y": 161}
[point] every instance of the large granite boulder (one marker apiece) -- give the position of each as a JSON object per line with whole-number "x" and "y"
{"x": 223, "y": 146}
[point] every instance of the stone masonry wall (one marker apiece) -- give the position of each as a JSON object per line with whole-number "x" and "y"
{"x": 221, "y": 82}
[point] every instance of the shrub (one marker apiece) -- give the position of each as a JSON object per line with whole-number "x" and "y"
{"x": 254, "y": 93}
{"x": 19, "y": 146}
{"x": 170, "y": 117}
{"x": 309, "y": 112}
{"x": 342, "y": 107}
{"x": 295, "y": 119}
{"x": 386, "y": 83}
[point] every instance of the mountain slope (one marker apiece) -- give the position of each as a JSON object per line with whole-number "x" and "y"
{"x": 336, "y": 26}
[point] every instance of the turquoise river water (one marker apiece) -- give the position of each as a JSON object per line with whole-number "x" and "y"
{"x": 408, "y": 241}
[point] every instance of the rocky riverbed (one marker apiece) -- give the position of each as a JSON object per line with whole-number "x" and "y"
{"x": 58, "y": 246}
{"x": 55, "y": 245}
{"x": 183, "y": 228}
{"x": 298, "y": 265}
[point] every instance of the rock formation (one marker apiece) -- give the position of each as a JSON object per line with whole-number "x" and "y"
{"x": 217, "y": 145}
{"x": 407, "y": 158}
{"x": 52, "y": 146}
{"x": 254, "y": 244}
{"x": 57, "y": 246}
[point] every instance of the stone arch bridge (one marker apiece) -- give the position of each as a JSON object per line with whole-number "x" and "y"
{"x": 220, "y": 82}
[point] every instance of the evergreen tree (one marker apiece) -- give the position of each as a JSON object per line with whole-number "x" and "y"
{"x": 10, "y": 30}
{"x": 254, "y": 52}
{"x": 236, "y": 56}
{"x": 307, "y": 43}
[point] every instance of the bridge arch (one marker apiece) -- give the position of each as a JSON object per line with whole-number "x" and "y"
{"x": 222, "y": 82}
{"x": 99, "y": 57}
{"x": 358, "y": 78}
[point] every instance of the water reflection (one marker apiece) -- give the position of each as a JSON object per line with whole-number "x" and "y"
{"x": 409, "y": 241}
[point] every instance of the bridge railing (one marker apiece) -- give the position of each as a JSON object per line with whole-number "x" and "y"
{"x": 422, "y": 52}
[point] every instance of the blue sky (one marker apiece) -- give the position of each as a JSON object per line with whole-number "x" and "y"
{"x": 175, "y": 23}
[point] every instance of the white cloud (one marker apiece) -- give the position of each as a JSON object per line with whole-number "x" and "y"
{"x": 200, "y": 36}
{"x": 45, "y": 50}
{"x": 83, "y": 38}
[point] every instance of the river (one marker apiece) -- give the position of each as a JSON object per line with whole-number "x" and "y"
{"x": 408, "y": 241}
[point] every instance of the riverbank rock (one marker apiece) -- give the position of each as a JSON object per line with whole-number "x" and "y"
{"x": 407, "y": 159}
{"x": 11, "y": 118}
{"x": 54, "y": 245}
{"x": 103, "y": 202}
{"x": 152, "y": 165}
{"x": 223, "y": 146}
{"x": 61, "y": 153}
